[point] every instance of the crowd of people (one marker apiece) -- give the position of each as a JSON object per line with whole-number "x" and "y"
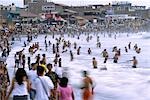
{"x": 41, "y": 82}
{"x": 40, "y": 85}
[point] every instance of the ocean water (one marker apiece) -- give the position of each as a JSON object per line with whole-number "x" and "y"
{"x": 119, "y": 82}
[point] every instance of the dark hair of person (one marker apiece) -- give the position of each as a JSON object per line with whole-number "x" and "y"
{"x": 85, "y": 73}
{"x": 29, "y": 58}
{"x": 43, "y": 55}
{"x": 49, "y": 64}
{"x": 41, "y": 62}
{"x": 33, "y": 64}
{"x": 63, "y": 82}
{"x": 19, "y": 75}
{"x": 40, "y": 70}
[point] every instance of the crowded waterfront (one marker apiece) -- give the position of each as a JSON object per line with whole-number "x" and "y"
{"x": 75, "y": 57}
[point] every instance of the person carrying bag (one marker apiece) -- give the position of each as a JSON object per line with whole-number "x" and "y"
{"x": 43, "y": 85}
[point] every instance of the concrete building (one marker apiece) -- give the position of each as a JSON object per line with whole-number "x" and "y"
{"x": 121, "y": 7}
{"x": 91, "y": 10}
{"x": 134, "y": 8}
{"x": 41, "y": 6}
{"x": 26, "y": 2}
{"x": 127, "y": 8}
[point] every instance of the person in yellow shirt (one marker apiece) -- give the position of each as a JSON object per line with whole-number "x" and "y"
{"x": 44, "y": 66}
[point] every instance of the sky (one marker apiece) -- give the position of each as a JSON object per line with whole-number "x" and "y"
{"x": 80, "y": 2}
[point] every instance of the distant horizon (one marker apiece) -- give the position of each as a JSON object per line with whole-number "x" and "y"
{"x": 19, "y": 3}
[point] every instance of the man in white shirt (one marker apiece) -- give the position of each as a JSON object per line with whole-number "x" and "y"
{"x": 32, "y": 75}
{"x": 43, "y": 85}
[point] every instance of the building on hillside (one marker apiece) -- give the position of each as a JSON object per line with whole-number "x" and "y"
{"x": 50, "y": 12}
{"x": 92, "y": 19}
{"x": 127, "y": 8}
{"x": 42, "y": 6}
{"x": 91, "y": 10}
{"x": 134, "y": 8}
{"x": 121, "y": 7}
{"x": 67, "y": 15}
{"x": 80, "y": 21}
{"x": 26, "y": 2}
{"x": 28, "y": 17}
{"x": 91, "y": 14}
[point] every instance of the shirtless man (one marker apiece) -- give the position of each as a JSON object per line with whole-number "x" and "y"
{"x": 115, "y": 58}
{"x": 104, "y": 53}
{"x": 135, "y": 62}
{"x": 119, "y": 52}
{"x": 87, "y": 87}
{"x": 94, "y": 63}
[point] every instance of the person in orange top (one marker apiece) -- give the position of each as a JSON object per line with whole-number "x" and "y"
{"x": 87, "y": 87}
